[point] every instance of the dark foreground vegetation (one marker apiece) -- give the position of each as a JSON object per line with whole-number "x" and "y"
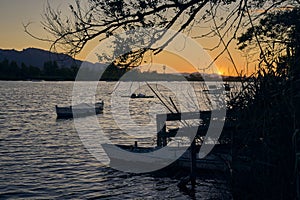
{"x": 266, "y": 142}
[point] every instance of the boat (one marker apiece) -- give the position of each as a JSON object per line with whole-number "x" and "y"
{"x": 227, "y": 87}
{"x": 80, "y": 110}
{"x": 140, "y": 95}
{"x": 132, "y": 157}
{"x": 217, "y": 89}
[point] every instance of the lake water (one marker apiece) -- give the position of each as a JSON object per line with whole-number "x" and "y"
{"x": 44, "y": 158}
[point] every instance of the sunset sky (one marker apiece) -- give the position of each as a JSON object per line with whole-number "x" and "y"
{"x": 14, "y": 13}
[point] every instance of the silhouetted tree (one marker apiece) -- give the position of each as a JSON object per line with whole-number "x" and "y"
{"x": 278, "y": 36}
{"x": 101, "y": 19}
{"x": 34, "y": 72}
{"x": 51, "y": 68}
{"x": 269, "y": 123}
{"x": 4, "y": 68}
{"x": 25, "y": 71}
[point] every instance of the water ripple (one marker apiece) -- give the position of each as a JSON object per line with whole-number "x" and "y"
{"x": 43, "y": 158}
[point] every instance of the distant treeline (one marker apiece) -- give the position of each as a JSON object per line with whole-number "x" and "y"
{"x": 9, "y": 70}
{"x": 50, "y": 71}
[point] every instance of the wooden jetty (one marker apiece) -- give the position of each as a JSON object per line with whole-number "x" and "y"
{"x": 218, "y": 159}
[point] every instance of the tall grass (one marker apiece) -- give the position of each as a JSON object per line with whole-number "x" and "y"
{"x": 266, "y": 138}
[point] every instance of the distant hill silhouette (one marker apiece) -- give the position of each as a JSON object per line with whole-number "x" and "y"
{"x": 37, "y": 57}
{"x": 32, "y": 63}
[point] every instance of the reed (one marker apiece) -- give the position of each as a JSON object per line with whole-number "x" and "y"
{"x": 264, "y": 144}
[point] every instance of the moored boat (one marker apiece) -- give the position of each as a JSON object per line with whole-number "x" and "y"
{"x": 80, "y": 110}
{"x": 129, "y": 157}
{"x": 140, "y": 95}
{"x": 214, "y": 89}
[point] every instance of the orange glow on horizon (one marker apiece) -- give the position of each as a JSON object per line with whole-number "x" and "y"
{"x": 13, "y": 36}
{"x": 223, "y": 64}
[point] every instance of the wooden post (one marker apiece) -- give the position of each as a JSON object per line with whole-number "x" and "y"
{"x": 193, "y": 164}
{"x": 158, "y": 142}
{"x": 161, "y": 130}
{"x": 164, "y": 142}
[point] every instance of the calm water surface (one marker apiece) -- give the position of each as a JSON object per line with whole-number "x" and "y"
{"x": 44, "y": 158}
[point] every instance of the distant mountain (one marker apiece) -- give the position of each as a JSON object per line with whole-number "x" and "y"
{"x": 37, "y": 57}
{"x": 45, "y": 65}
